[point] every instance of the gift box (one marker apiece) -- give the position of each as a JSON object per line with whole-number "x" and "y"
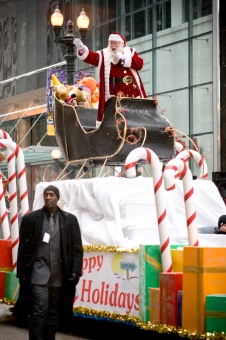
{"x": 216, "y": 313}
{"x": 177, "y": 259}
{"x": 170, "y": 284}
{"x": 150, "y": 265}
{"x": 154, "y": 294}
{"x": 2, "y": 284}
{"x": 12, "y": 285}
{"x": 179, "y": 303}
{"x": 204, "y": 274}
{"x": 6, "y": 255}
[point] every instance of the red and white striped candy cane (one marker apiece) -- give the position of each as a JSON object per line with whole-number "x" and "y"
{"x": 12, "y": 183}
{"x": 4, "y": 213}
{"x": 179, "y": 166}
{"x": 179, "y": 147}
{"x": 187, "y": 154}
{"x": 130, "y": 172}
{"x": 21, "y": 173}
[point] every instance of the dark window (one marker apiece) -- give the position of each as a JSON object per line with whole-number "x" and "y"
{"x": 127, "y": 6}
{"x": 111, "y": 9}
{"x": 149, "y": 20}
{"x": 111, "y": 27}
{"x": 201, "y": 8}
{"x": 137, "y": 4}
{"x": 101, "y": 11}
{"x": 206, "y": 8}
{"x": 139, "y": 24}
{"x": 163, "y": 16}
{"x": 128, "y": 28}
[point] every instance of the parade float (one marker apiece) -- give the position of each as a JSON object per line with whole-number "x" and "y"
{"x": 145, "y": 260}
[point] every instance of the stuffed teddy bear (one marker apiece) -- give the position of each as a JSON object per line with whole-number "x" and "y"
{"x": 61, "y": 92}
{"x": 93, "y": 93}
{"x": 85, "y": 93}
{"x": 95, "y": 98}
{"x": 90, "y": 82}
{"x": 71, "y": 100}
{"x": 79, "y": 94}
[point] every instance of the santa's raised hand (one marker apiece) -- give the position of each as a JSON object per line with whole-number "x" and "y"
{"x": 79, "y": 44}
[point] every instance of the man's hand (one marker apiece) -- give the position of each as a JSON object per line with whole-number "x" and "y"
{"x": 119, "y": 56}
{"x": 79, "y": 44}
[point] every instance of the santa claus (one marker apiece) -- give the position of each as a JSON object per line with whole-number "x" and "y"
{"x": 118, "y": 70}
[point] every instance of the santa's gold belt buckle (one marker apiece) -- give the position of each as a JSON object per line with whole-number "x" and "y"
{"x": 127, "y": 80}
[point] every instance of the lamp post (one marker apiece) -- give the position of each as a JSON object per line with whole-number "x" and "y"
{"x": 56, "y": 154}
{"x": 57, "y": 22}
{"x": 57, "y": 165}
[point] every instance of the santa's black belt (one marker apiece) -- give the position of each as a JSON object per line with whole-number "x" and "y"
{"x": 127, "y": 80}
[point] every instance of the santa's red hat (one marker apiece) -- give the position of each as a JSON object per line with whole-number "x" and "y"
{"x": 117, "y": 37}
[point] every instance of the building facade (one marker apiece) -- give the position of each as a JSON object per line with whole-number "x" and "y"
{"x": 182, "y": 44}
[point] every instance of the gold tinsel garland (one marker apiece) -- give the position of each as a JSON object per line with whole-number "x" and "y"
{"x": 160, "y": 328}
{"x": 109, "y": 249}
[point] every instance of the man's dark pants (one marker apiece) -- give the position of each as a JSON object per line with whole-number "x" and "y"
{"x": 45, "y": 315}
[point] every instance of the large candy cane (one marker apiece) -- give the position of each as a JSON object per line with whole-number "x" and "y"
{"x": 130, "y": 172}
{"x": 12, "y": 183}
{"x": 21, "y": 172}
{"x": 179, "y": 147}
{"x": 178, "y": 165}
{"x": 4, "y": 213}
{"x": 187, "y": 154}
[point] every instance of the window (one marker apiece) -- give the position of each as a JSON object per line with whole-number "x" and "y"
{"x": 163, "y": 13}
{"x": 201, "y": 8}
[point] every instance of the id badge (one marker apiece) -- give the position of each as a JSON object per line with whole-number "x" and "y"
{"x": 46, "y": 238}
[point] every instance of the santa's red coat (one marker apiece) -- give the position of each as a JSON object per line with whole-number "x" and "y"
{"x": 112, "y": 75}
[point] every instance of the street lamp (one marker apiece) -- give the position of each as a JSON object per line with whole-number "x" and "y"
{"x": 57, "y": 22}
{"x": 56, "y": 155}
{"x": 83, "y": 23}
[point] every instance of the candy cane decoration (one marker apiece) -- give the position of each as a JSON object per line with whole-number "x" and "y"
{"x": 4, "y": 213}
{"x": 186, "y": 154}
{"x": 21, "y": 172}
{"x": 130, "y": 172}
{"x": 12, "y": 183}
{"x": 179, "y": 147}
{"x": 179, "y": 165}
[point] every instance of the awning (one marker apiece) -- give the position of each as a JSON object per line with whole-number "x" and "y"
{"x": 34, "y": 155}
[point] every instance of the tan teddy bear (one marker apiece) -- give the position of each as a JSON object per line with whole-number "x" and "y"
{"x": 61, "y": 92}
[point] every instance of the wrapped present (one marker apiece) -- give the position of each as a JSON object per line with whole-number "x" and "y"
{"x": 12, "y": 285}
{"x": 154, "y": 294}
{"x": 2, "y": 284}
{"x": 204, "y": 274}
{"x": 216, "y": 313}
{"x": 6, "y": 255}
{"x": 150, "y": 265}
{"x": 177, "y": 259}
{"x": 179, "y": 303}
{"x": 170, "y": 284}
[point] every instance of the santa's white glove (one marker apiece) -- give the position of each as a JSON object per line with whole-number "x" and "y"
{"x": 119, "y": 56}
{"x": 79, "y": 44}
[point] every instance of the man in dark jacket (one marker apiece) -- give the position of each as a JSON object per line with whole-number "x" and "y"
{"x": 49, "y": 262}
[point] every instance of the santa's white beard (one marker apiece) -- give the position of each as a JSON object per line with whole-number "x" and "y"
{"x": 111, "y": 53}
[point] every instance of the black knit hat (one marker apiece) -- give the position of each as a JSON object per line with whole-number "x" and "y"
{"x": 54, "y": 189}
{"x": 221, "y": 221}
